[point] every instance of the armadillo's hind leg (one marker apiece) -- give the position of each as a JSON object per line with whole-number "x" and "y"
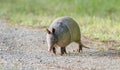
{"x": 80, "y": 47}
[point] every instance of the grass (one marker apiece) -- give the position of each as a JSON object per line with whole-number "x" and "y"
{"x": 98, "y": 19}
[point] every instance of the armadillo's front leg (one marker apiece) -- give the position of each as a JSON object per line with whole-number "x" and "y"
{"x": 54, "y": 50}
{"x": 63, "y": 50}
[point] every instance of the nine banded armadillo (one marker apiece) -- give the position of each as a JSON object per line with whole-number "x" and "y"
{"x": 62, "y": 32}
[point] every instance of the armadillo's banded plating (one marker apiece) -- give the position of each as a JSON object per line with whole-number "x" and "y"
{"x": 64, "y": 30}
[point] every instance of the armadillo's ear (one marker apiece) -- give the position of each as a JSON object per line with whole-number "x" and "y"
{"x": 53, "y": 30}
{"x": 48, "y": 31}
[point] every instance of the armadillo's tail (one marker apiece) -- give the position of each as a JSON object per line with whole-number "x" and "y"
{"x": 81, "y": 46}
{"x": 85, "y": 46}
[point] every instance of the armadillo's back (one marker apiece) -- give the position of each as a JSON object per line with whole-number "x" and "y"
{"x": 72, "y": 26}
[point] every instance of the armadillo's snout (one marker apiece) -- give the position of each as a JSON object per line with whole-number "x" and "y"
{"x": 49, "y": 49}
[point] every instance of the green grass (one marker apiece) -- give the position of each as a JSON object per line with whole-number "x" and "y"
{"x": 98, "y": 19}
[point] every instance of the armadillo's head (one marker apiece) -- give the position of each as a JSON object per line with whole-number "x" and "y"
{"x": 50, "y": 39}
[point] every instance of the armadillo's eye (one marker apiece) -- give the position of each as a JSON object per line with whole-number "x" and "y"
{"x": 55, "y": 40}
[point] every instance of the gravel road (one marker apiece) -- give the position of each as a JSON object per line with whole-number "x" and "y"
{"x": 24, "y": 48}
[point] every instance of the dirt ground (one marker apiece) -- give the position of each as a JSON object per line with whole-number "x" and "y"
{"x": 25, "y": 48}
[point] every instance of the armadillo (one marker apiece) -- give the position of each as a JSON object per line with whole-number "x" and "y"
{"x": 62, "y": 32}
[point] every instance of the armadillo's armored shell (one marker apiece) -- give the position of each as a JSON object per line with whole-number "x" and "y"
{"x": 67, "y": 30}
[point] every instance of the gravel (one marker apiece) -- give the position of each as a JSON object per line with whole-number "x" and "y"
{"x": 25, "y": 48}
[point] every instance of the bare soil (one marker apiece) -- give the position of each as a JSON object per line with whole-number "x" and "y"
{"x": 25, "y": 48}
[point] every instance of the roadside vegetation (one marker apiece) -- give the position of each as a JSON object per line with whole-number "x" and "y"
{"x": 98, "y": 19}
